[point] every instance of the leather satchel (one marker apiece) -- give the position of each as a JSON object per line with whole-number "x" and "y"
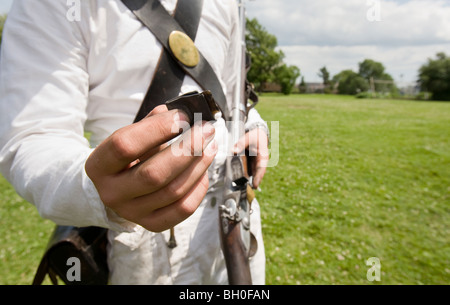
{"x": 87, "y": 245}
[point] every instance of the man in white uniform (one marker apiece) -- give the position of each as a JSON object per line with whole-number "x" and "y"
{"x": 61, "y": 78}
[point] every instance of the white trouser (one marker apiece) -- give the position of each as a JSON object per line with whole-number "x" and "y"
{"x": 143, "y": 257}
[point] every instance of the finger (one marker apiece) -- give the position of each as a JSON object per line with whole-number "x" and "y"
{"x": 158, "y": 171}
{"x": 259, "y": 175}
{"x": 147, "y": 155}
{"x": 176, "y": 189}
{"x": 168, "y": 217}
{"x": 157, "y": 110}
{"x": 131, "y": 142}
{"x": 152, "y": 152}
{"x": 242, "y": 144}
{"x": 261, "y": 162}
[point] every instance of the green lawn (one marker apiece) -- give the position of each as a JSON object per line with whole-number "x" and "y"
{"x": 23, "y": 237}
{"x": 356, "y": 179}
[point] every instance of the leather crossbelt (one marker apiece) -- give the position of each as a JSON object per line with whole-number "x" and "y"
{"x": 170, "y": 73}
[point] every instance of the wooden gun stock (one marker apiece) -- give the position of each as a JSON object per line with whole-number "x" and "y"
{"x": 238, "y": 244}
{"x": 236, "y": 258}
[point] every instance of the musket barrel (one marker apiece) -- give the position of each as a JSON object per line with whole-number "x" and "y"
{"x": 234, "y": 213}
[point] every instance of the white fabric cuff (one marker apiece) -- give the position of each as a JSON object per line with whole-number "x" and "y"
{"x": 106, "y": 217}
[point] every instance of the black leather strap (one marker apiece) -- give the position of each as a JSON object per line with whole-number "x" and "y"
{"x": 170, "y": 72}
{"x": 168, "y": 77}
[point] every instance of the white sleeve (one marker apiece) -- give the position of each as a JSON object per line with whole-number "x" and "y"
{"x": 254, "y": 120}
{"x": 44, "y": 87}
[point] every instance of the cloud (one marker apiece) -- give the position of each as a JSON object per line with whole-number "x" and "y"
{"x": 335, "y": 22}
{"x": 5, "y": 6}
{"x": 339, "y": 34}
{"x": 401, "y": 63}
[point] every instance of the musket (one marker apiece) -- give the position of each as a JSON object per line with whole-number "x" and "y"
{"x": 238, "y": 244}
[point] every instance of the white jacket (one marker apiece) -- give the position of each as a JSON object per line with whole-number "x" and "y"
{"x": 60, "y": 78}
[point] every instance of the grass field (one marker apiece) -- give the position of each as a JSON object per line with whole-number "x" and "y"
{"x": 356, "y": 179}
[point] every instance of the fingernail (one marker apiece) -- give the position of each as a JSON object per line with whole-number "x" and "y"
{"x": 255, "y": 183}
{"x": 212, "y": 149}
{"x": 237, "y": 149}
{"x": 180, "y": 116}
{"x": 208, "y": 132}
{"x": 181, "y": 121}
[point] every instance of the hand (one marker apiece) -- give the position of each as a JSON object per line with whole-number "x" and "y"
{"x": 138, "y": 176}
{"x": 257, "y": 143}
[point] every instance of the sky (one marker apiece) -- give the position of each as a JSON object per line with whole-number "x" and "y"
{"x": 5, "y": 6}
{"x": 401, "y": 34}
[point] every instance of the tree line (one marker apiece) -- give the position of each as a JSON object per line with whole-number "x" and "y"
{"x": 371, "y": 79}
{"x": 268, "y": 67}
{"x": 433, "y": 78}
{"x": 267, "y": 64}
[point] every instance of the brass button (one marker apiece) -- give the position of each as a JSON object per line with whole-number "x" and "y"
{"x": 184, "y": 49}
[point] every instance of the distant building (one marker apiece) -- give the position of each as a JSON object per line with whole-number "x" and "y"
{"x": 310, "y": 88}
{"x": 315, "y": 87}
{"x": 270, "y": 87}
